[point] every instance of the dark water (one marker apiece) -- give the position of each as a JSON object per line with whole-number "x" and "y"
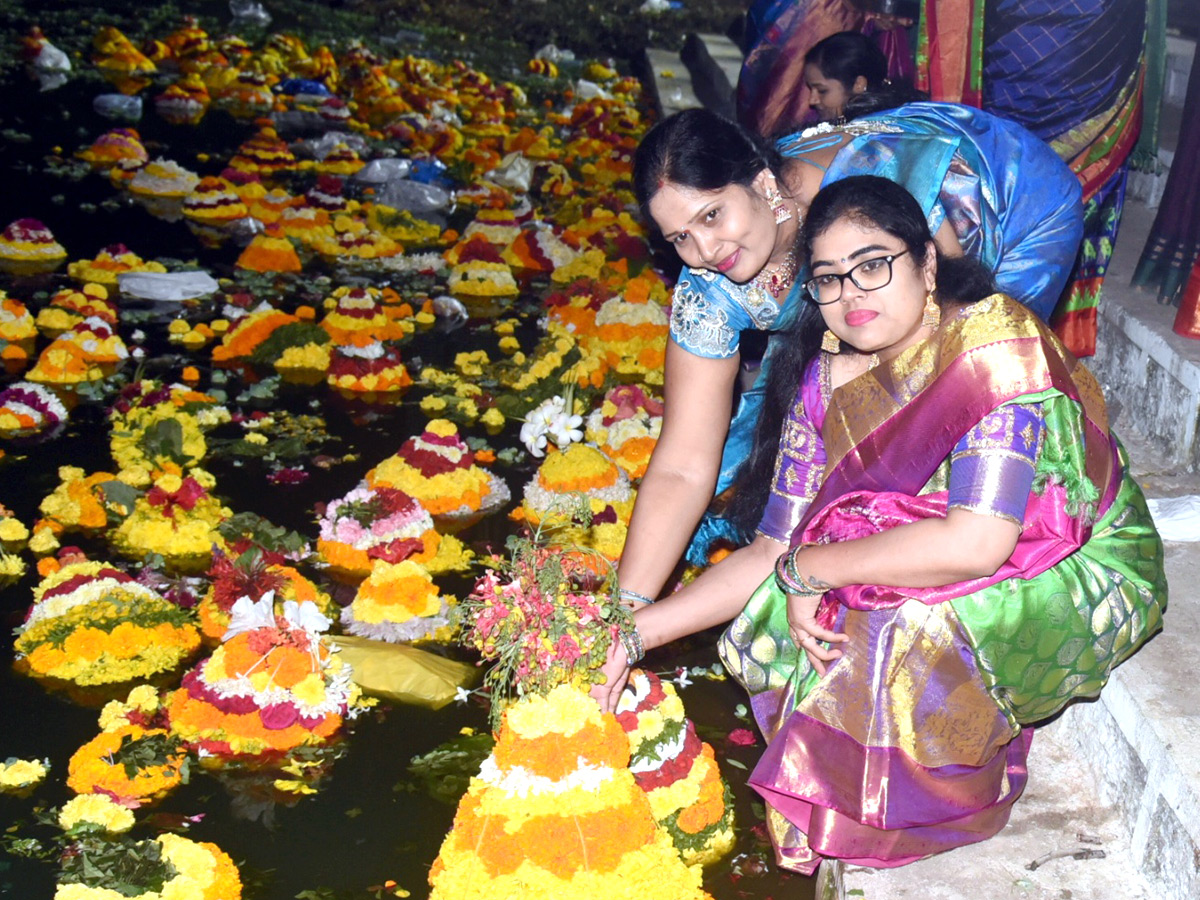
{"x": 369, "y": 822}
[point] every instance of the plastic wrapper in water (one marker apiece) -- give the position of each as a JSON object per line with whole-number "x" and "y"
{"x": 381, "y": 171}
{"x": 431, "y": 171}
{"x": 324, "y": 145}
{"x": 589, "y": 90}
{"x": 118, "y": 106}
{"x": 249, "y": 12}
{"x": 306, "y": 86}
{"x": 166, "y": 285}
{"x": 554, "y": 54}
{"x": 402, "y": 673}
{"x": 244, "y": 229}
{"x": 416, "y": 197}
{"x": 447, "y": 307}
{"x": 51, "y": 66}
{"x": 515, "y": 172}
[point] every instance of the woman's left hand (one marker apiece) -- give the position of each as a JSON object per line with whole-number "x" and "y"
{"x": 616, "y": 673}
{"x": 802, "y": 623}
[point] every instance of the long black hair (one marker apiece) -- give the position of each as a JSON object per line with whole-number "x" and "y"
{"x": 848, "y": 56}
{"x": 874, "y": 202}
{"x": 698, "y": 149}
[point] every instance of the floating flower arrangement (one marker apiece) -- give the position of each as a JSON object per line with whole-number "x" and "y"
{"x": 27, "y": 247}
{"x": 169, "y": 866}
{"x": 555, "y": 812}
{"x": 164, "y": 178}
{"x": 676, "y": 769}
{"x": 114, "y": 146}
{"x": 92, "y": 624}
{"x": 398, "y": 602}
{"x": 438, "y": 469}
{"x": 135, "y": 766}
{"x": 272, "y": 686}
{"x": 626, "y": 427}
{"x": 253, "y": 573}
{"x": 29, "y": 410}
{"x": 370, "y": 524}
{"x": 177, "y": 519}
{"x": 110, "y": 262}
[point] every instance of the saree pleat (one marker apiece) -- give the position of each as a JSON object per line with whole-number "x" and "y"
{"x": 913, "y": 742}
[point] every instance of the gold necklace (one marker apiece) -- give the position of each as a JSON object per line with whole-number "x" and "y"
{"x": 778, "y": 278}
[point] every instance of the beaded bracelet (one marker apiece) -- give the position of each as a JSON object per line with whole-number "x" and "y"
{"x": 627, "y": 594}
{"x": 631, "y": 640}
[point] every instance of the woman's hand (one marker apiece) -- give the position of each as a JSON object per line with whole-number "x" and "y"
{"x": 802, "y": 623}
{"x": 616, "y": 673}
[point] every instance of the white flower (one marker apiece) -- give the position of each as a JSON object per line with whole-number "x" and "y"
{"x": 565, "y": 429}
{"x": 533, "y": 436}
{"x": 461, "y": 694}
{"x": 681, "y": 679}
{"x": 550, "y": 421}
{"x": 138, "y": 336}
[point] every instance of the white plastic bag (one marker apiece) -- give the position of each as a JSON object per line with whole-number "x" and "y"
{"x": 1176, "y": 518}
{"x": 166, "y": 285}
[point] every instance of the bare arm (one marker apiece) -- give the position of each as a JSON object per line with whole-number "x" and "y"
{"x": 679, "y": 482}
{"x": 947, "y": 240}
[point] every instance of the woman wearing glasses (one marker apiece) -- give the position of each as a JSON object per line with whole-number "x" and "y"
{"x": 972, "y": 556}
{"x": 731, "y": 207}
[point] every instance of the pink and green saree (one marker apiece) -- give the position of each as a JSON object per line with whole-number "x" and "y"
{"x": 912, "y": 743}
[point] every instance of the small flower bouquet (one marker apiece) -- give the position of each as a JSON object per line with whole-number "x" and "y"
{"x": 251, "y": 331}
{"x": 676, "y": 769}
{"x": 273, "y": 685}
{"x": 167, "y": 866}
{"x": 90, "y": 351}
{"x": 545, "y": 616}
{"x": 177, "y": 519}
{"x": 375, "y": 368}
{"x": 581, "y": 469}
{"x": 398, "y": 602}
{"x": 91, "y": 624}
{"x": 358, "y": 317}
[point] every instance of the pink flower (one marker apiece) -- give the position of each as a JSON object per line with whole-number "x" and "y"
{"x": 742, "y": 737}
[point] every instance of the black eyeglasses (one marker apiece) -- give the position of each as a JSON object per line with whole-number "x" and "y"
{"x": 868, "y": 275}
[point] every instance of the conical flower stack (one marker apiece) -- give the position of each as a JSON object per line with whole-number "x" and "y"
{"x": 556, "y": 813}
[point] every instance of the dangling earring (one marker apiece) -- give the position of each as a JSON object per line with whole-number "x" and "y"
{"x": 932, "y": 314}
{"x": 830, "y": 342}
{"x": 775, "y": 201}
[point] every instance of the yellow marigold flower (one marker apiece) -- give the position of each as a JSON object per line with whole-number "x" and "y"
{"x": 492, "y": 419}
{"x": 204, "y": 478}
{"x": 255, "y": 438}
{"x": 179, "y": 326}
{"x": 98, "y": 810}
{"x": 432, "y": 405}
{"x": 169, "y": 483}
{"x": 442, "y": 427}
{"x": 505, "y": 327}
{"x": 43, "y": 542}
{"x": 509, "y": 344}
{"x": 21, "y": 773}
{"x": 219, "y": 326}
{"x": 12, "y": 529}
{"x": 468, "y": 408}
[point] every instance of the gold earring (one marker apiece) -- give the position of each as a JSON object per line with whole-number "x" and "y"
{"x": 830, "y": 342}
{"x": 775, "y": 202}
{"x": 932, "y": 314}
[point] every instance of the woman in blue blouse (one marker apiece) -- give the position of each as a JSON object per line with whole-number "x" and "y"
{"x": 732, "y": 205}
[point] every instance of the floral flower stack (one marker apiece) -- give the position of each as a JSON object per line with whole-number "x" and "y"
{"x": 167, "y": 866}
{"x": 177, "y": 519}
{"x": 398, "y": 602}
{"x": 27, "y": 248}
{"x": 581, "y": 469}
{"x": 92, "y": 624}
{"x": 29, "y": 410}
{"x": 272, "y": 686}
{"x": 676, "y": 769}
{"x": 626, "y": 426}
{"x": 438, "y": 469}
{"x": 555, "y": 814}
{"x": 253, "y": 573}
{"x": 373, "y": 524}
